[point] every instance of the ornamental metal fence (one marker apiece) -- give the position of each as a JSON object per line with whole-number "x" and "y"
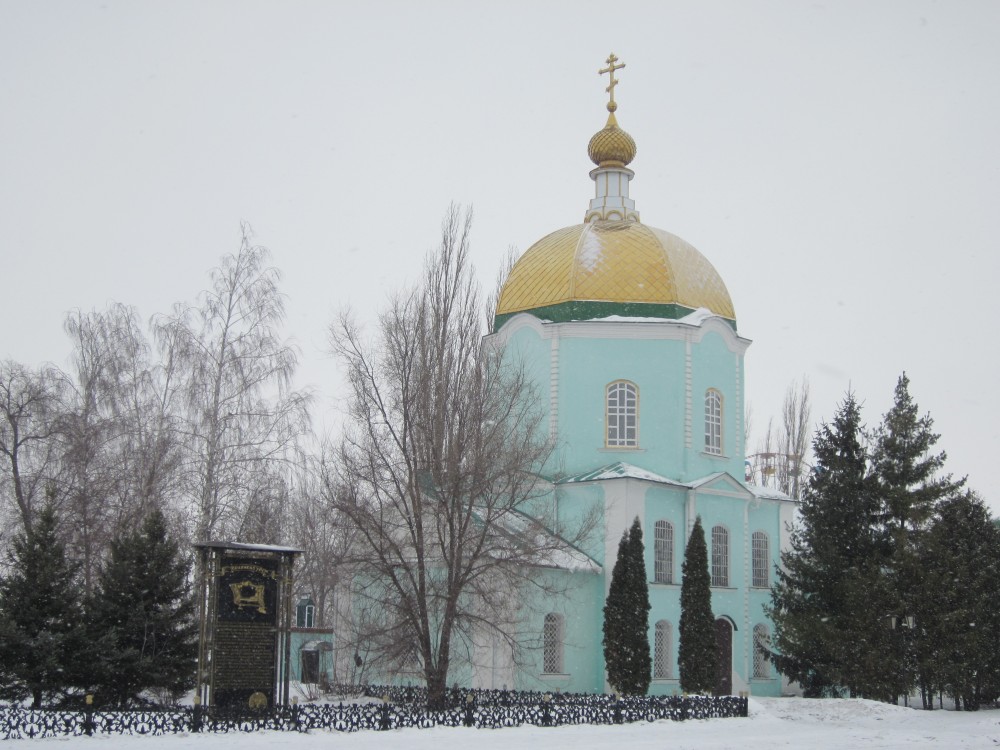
{"x": 470, "y": 708}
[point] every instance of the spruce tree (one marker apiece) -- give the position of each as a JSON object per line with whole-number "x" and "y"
{"x": 626, "y": 618}
{"x": 908, "y": 474}
{"x": 957, "y": 632}
{"x": 698, "y": 657}
{"x": 43, "y": 646}
{"x": 144, "y": 608}
{"x": 829, "y": 631}
{"x": 910, "y": 485}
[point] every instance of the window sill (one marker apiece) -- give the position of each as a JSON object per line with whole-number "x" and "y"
{"x": 720, "y": 456}
{"x": 555, "y": 676}
{"x": 661, "y": 583}
{"x": 621, "y": 448}
{"x": 724, "y": 588}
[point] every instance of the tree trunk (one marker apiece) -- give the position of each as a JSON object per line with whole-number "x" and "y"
{"x": 437, "y": 688}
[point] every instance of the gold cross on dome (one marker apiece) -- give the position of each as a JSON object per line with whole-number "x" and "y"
{"x": 612, "y": 67}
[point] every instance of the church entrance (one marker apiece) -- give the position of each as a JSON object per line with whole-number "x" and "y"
{"x": 724, "y": 650}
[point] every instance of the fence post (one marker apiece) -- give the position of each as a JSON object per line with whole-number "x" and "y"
{"x": 196, "y": 717}
{"x": 618, "y": 709}
{"x": 469, "y": 710}
{"x": 384, "y": 718}
{"x": 546, "y": 710}
{"x": 88, "y": 717}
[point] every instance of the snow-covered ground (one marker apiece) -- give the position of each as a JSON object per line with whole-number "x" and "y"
{"x": 773, "y": 723}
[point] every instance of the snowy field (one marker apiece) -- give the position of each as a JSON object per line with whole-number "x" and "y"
{"x": 773, "y": 723}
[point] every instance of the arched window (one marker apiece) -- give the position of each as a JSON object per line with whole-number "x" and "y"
{"x": 622, "y": 415}
{"x": 662, "y": 651}
{"x": 761, "y": 560}
{"x": 663, "y": 552}
{"x": 720, "y": 556}
{"x": 761, "y": 639}
{"x": 713, "y": 422}
{"x": 552, "y": 644}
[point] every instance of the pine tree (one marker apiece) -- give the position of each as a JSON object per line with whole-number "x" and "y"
{"x": 698, "y": 657}
{"x": 827, "y": 633}
{"x": 910, "y": 486}
{"x": 626, "y": 618}
{"x": 43, "y": 648}
{"x": 145, "y": 609}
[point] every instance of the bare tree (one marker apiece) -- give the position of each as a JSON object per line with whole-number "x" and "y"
{"x": 780, "y": 460}
{"x": 326, "y": 540}
{"x": 121, "y": 443}
{"x": 506, "y": 266}
{"x": 30, "y": 407}
{"x": 796, "y": 431}
{"x": 240, "y": 413}
{"x": 437, "y": 470}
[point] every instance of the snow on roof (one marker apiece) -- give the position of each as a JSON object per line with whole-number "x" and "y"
{"x": 695, "y": 318}
{"x": 249, "y": 547}
{"x": 769, "y": 493}
{"x": 623, "y": 470}
{"x": 558, "y": 553}
{"x": 619, "y": 470}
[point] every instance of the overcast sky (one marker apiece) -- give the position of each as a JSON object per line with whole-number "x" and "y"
{"x": 838, "y": 162}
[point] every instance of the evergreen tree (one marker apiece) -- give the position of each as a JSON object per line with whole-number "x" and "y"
{"x": 955, "y": 638}
{"x": 907, "y": 472}
{"x": 144, "y": 607}
{"x": 909, "y": 485}
{"x": 698, "y": 657}
{"x": 829, "y": 630}
{"x": 626, "y": 618}
{"x": 43, "y": 648}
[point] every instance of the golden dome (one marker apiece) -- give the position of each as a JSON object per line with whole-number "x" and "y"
{"x": 607, "y": 268}
{"x": 611, "y": 145}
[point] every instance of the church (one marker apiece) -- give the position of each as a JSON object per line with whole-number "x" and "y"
{"x": 632, "y": 337}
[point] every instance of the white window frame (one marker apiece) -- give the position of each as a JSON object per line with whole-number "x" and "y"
{"x": 663, "y": 667}
{"x": 761, "y": 567}
{"x": 663, "y": 552}
{"x": 761, "y": 666}
{"x": 621, "y": 407}
{"x": 552, "y": 644}
{"x": 713, "y": 422}
{"x": 720, "y": 556}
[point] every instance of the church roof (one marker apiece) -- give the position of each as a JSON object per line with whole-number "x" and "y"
{"x": 622, "y": 470}
{"x": 612, "y": 264}
{"x": 619, "y": 470}
{"x": 613, "y": 268}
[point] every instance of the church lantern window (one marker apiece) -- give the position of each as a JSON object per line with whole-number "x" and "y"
{"x": 761, "y": 560}
{"x": 713, "y": 422}
{"x": 663, "y": 552}
{"x": 622, "y": 415}
{"x": 720, "y": 556}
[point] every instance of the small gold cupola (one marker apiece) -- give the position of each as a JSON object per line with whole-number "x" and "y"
{"x": 611, "y": 149}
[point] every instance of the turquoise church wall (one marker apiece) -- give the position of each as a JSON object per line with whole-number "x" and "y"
{"x": 581, "y": 607}
{"x": 672, "y": 364}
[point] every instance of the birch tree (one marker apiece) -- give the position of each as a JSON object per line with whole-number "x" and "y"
{"x": 121, "y": 455}
{"x": 240, "y": 414}
{"x": 30, "y": 407}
